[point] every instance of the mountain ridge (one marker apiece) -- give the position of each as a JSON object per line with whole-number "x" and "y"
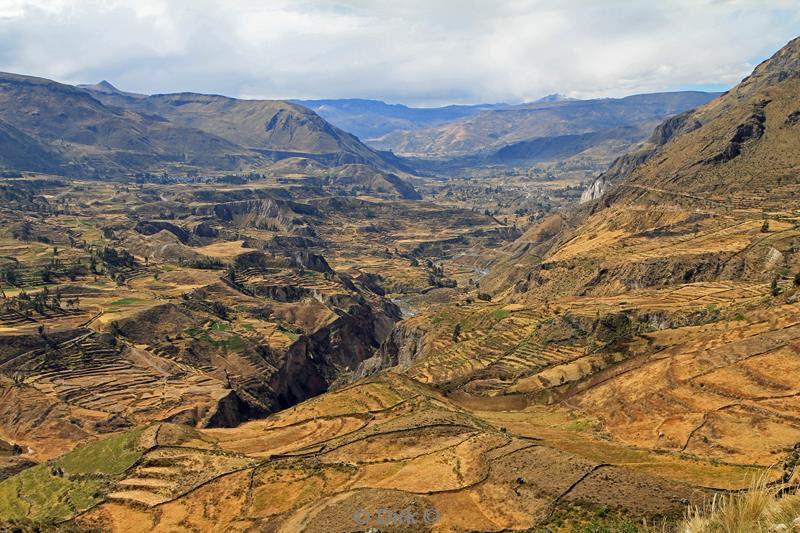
{"x": 103, "y": 128}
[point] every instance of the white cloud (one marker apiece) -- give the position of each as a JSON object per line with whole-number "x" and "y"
{"x": 414, "y": 51}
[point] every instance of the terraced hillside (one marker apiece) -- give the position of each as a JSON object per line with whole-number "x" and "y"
{"x": 390, "y": 442}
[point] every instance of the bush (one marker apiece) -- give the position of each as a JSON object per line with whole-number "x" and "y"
{"x": 484, "y": 296}
{"x": 220, "y": 310}
{"x": 797, "y": 279}
{"x": 10, "y": 275}
{"x": 117, "y": 258}
{"x": 74, "y": 271}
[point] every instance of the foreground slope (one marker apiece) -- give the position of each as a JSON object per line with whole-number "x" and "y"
{"x": 387, "y": 443}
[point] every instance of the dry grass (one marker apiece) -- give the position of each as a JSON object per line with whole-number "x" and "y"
{"x": 757, "y": 510}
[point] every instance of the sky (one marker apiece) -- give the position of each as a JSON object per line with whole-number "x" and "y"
{"x": 416, "y": 52}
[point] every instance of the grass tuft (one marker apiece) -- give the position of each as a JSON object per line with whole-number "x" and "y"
{"x": 759, "y": 510}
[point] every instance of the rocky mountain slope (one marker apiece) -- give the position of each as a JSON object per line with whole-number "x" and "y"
{"x": 261, "y": 125}
{"x": 723, "y": 170}
{"x": 22, "y": 152}
{"x": 732, "y": 126}
{"x": 93, "y": 135}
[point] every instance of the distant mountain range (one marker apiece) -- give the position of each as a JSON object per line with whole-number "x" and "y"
{"x": 369, "y": 119}
{"x": 50, "y": 126}
{"x": 492, "y": 131}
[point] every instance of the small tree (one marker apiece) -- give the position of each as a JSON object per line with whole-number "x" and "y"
{"x": 765, "y": 227}
{"x": 456, "y": 332}
{"x": 774, "y": 288}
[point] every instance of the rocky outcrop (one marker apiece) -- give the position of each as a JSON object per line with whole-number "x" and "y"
{"x": 13, "y": 465}
{"x": 287, "y": 217}
{"x": 310, "y": 261}
{"x": 204, "y": 229}
{"x": 152, "y": 227}
{"x": 621, "y": 168}
{"x": 595, "y": 189}
{"x": 326, "y": 358}
{"x": 793, "y": 118}
{"x": 750, "y": 130}
{"x": 229, "y": 412}
{"x": 279, "y": 293}
{"x": 674, "y": 126}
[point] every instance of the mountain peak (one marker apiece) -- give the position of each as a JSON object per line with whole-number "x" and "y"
{"x": 105, "y": 87}
{"x": 782, "y": 65}
{"x": 555, "y": 97}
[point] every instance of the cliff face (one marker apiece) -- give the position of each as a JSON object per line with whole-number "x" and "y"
{"x": 399, "y": 350}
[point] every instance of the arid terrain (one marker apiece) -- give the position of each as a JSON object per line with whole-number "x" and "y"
{"x": 231, "y": 315}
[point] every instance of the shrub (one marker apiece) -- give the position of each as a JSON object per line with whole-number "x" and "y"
{"x": 219, "y": 309}
{"x": 484, "y": 296}
{"x": 207, "y": 263}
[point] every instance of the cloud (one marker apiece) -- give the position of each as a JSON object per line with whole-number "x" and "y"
{"x": 417, "y": 52}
